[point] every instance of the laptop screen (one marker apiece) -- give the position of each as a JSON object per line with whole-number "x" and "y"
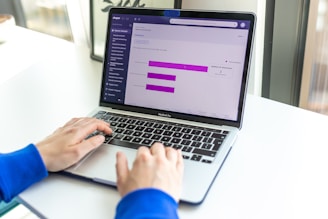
{"x": 172, "y": 62}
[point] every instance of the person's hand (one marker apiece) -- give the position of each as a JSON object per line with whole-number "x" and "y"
{"x": 157, "y": 167}
{"x": 67, "y": 145}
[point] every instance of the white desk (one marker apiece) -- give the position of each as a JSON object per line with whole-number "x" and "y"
{"x": 278, "y": 167}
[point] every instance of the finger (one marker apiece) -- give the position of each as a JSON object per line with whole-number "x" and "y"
{"x": 143, "y": 151}
{"x": 87, "y": 126}
{"x": 90, "y": 144}
{"x": 171, "y": 154}
{"x": 122, "y": 169}
{"x": 180, "y": 164}
{"x": 157, "y": 149}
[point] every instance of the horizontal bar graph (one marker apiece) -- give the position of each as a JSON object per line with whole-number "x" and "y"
{"x": 159, "y": 88}
{"x": 178, "y": 66}
{"x": 169, "y": 77}
{"x": 161, "y": 76}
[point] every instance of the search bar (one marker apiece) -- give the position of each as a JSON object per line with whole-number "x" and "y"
{"x": 203, "y": 22}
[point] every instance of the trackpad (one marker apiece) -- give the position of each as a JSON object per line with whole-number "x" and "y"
{"x": 99, "y": 165}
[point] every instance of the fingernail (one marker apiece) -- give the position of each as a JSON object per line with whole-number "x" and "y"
{"x": 100, "y": 139}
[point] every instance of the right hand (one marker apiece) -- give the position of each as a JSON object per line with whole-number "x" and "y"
{"x": 157, "y": 167}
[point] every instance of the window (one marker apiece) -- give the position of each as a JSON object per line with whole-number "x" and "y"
{"x": 314, "y": 92}
{"x": 48, "y": 16}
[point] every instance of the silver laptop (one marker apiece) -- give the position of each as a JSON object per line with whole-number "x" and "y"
{"x": 177, "y": 77}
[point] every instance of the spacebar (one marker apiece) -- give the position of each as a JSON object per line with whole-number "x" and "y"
{"x": 124, "y": 143}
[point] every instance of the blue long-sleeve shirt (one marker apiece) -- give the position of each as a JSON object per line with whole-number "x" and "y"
{"x": 22, "y": 168}
{"x": 19, "y": 170}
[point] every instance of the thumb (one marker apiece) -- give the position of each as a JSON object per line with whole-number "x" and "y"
{"x": 122, "y": 169}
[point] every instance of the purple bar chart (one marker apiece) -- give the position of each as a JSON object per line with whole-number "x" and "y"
{"x": 178, "y": 66}
{"x": 169, "y": 77}
{"x": 161, "y": 76}
{"x": 160, "y": 88}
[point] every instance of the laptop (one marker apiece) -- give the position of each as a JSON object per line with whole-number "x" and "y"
{"x": 173, "y": 76}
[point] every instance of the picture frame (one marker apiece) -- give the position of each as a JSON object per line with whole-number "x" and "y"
{"x": 99, "y": 15}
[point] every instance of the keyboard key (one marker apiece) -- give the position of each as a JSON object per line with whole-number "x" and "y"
{"x": 207, "y": 146}
{"x": 137, "y": 140}
{"x": 131, "y": 121}
{"x": 119, "y": 130}
{"x": 187, "y": 136}
{"x": 118, "y": 136}
{"x": 158, "y": 131}
{"x": 176, "y": 129}
{"x": 149, "y": 130}
{"x": 140, "y": 122}
{"x": 158, "y": 125}
{"x": 165, "y": 139}
{"x": 177, "y": 134}
{"x": 186, "y": 142}
{"x": 130, "y": 126}
{"x": 197, "y": 138}
{"x": 128, "y": 132}
{"x": 122, "y": 119}
{"x": 176, "y": 146}
{"x": 113, "y": 124}
{"x": 208, "y": 140}
{"x": 196, "y": 132}
{"x": 156, "y": 137}
{"x": 168, "y": 144}
{"x": 168, "y": 133}
{"x": 127, "y": 138}
{"x": 176, "y": 140}
{"x": 206, "y": 133}
{"x": 185, "y": 157}
{"x": 218, "y": 136}
{"x": 114, "y": 119}
{"x": 217, "y": 144}
{"x": 139, "y": 128}
{"x": 137, "y": 134}
{"x": 146, "y": 135}
{"x": 187, "y": 149}
{"x": 149, "y": 124}
{"x": 196, "y": 144}
{"x": 124, "y": 144}
{"x": 204, "y": 152}
{"x": 206, "y": 161}
{"x": 147, "y": 142}
{"x": 167, "y": 127}
{"x": 108, "y": 138}
{"x": 196, "y": 157}
{"x": 122, "y": 125}
{"x": 186, "y": 130}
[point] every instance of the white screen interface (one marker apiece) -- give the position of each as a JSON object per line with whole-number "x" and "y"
{"x": 193, "y": 67}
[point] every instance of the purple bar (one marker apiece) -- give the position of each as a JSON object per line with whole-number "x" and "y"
{"x": 161, "y": 76}
{"x": 178, "y": 66}
{"x": 159, "y": 88}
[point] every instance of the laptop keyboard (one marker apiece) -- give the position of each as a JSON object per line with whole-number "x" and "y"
{"x": 196, "y": 143}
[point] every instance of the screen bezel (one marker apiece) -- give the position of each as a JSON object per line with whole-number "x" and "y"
{"x": 247, "y": 16}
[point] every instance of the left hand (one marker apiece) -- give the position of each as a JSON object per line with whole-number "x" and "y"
{"x": 67, "y": 145}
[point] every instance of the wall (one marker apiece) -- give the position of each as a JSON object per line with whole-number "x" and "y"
{"x": 255, "y": 6}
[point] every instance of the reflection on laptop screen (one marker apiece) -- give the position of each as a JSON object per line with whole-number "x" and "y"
{"x": 192, "y": 66}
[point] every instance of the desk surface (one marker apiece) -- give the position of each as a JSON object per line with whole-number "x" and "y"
{"x": 276, "y": 169}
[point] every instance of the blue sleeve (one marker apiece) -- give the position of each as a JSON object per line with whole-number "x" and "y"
{"x": 19, "y": 170}
{"x": 147, "y": 203}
